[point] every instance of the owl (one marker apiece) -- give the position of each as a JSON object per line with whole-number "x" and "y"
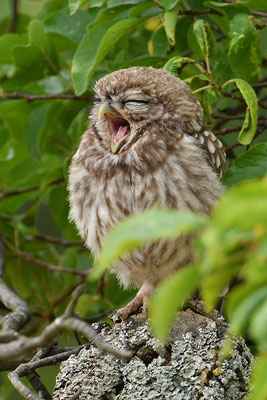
{"x": 146, "y": 146}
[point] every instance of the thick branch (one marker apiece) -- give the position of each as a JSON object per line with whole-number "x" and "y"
{"x": 24, "y": 345}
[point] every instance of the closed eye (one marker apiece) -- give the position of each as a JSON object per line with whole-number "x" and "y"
{"x": 135, "y": 101}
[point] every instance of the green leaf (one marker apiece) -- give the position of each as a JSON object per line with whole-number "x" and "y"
{"x": 258, "y": 326}
{"x": 6, "y": 44}
{"x": 73, "y": 27}
{"x": 249, "y": 127}
{"x": 160, "y": 42}
{"x": 249, "y": 165}
{"x": 60, "y": 209}
{"x": 259, "y": 5}
{"x": 33, "y": 127}
{"x": 244, "y": 48}
{"x": 248, "y": 206}
{"x": 140, "y": 229}
{"x": 169, "y": 298}
{"x": 169, "y": 19}
{"x": 259, "y": 381}
{"x": 74, "y": 5}
{"x": 176, "y": 63}
{"x": 241, "y": 317}
{"x": 116, "y": 3}
{"x": 93, "y": 48}
{"x": 37, "y": 36}
{"x": 202, "y": 32}
{"x": 38, "y": 54}
{"x": 170, "y": 4}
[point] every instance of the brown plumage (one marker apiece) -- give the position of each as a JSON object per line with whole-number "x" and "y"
{"x": 147, "y": 145}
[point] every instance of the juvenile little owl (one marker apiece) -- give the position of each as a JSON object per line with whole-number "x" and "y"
{"x": 146, "y": 146}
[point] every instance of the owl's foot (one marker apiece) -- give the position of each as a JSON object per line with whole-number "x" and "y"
{"x": 141, "y": 299}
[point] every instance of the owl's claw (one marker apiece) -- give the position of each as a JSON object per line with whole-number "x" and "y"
{"x": 141, "y": 299}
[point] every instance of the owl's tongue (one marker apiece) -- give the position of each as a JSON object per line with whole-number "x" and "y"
{"x": 120, "y": 133}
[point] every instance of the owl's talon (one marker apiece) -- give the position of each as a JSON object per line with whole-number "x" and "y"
{"x": 141, "y": 299}
{"x": 116, "y": 318}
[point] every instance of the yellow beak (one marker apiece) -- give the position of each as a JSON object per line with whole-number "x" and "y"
{"x": 105, "y": 109}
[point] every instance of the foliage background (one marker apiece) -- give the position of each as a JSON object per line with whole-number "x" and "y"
{"x": 53, "y": 51}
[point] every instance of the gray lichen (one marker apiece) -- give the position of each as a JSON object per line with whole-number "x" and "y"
{"x": 188, "y": 368}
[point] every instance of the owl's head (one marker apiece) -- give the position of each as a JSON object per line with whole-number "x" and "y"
{"x": 128, "y": 101}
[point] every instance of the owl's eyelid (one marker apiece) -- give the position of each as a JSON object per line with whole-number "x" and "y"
{"x": 140, "y": 101}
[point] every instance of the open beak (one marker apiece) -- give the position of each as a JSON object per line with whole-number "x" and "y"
{"x": 118, "y": 126}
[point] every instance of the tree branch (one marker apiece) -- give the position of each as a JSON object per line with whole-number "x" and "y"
{"x": 231, "y": 129}
{"x": 20, "y": 314}
{"x": 28, "y": 369}
{"x": 34, "y": 97}
{"x": 14, "y": 192}
{"x": 44, "y": 264}
{"x": 228, "y": 149}
{"x": 14, "y": 16}
{"x": 199, "y": 12}
{"x": 55, "y": 303}
{"x": 54, "y": 240}
{"x": 241, "y": 99}
{"x": 24, "y": 345}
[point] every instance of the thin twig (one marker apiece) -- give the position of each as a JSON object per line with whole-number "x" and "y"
{"x": 228, "y": 130}
{"x": 54, "y": 240}
{"x": 12, "y": 365}
{"x": 259, "y": 85}
{"x": 238, "y": 128}
{"x": 14, "y": 16}
{"x": 228, "y": 149}
{"x": 34, "y": 97}
{"x": 43, "y": 264}
{"x": 15, "y": 192}
{"x": 75, "y": 297}
{"x": 98, "y": 316}
{"x": 259, "y": 13}
{"x": 55, "y": 303}
{"x": 199, "y": 12}
{"x": 241, "y": 99}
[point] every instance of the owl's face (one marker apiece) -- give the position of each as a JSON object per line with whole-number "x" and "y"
{"x": 128, "y": 101}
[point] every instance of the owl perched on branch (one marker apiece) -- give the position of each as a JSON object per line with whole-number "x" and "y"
{"x": 146, "y": 146}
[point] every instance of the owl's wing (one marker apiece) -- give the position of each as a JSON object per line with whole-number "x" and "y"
{"x": 214, "y": 150}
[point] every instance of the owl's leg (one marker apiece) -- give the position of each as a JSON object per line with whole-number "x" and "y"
{"x": 141, "y": 299}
